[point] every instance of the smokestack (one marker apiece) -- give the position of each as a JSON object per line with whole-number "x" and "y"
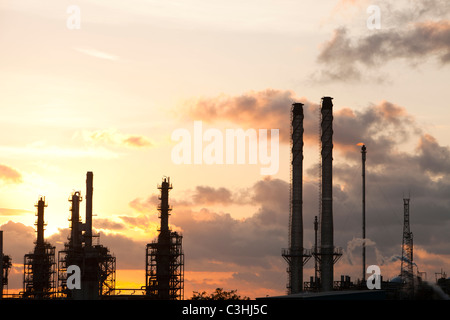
{"x": 326, "y": 231}
{"x": 89, "y": 193}
{"x": 363, "y": 158}
{"x": 296, "y": 234}
{"x": 295, "y": 255}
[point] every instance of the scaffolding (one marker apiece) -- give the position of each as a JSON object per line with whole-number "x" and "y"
{"x": 39, "y": 277}
{"x": 98, "y": 278}
{"x": 155, "y": 277}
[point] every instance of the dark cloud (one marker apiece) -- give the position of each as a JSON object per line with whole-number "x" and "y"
{"x": 347, "y": 58}
{"x": 211, "y": 236}
{"x": 209, "y": 195}
{"x": 415, "y": 33}
{"x": 108, "y": 225}
{"x": 433, "y": 158}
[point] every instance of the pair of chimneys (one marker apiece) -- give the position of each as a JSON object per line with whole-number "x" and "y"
{"x": 326, "y": 252}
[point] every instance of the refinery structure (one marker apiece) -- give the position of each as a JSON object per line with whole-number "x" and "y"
{"x": 324, "y": 253}
{"x": 49, "y": 274}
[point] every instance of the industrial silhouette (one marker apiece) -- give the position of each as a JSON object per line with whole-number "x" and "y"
{"x": 98, "y": 266}
{"x": 164, "y": 257}
{"x": 296, "y": 256}
{"x": 325, "y": 255}
{"x": 46, "y": 277}
{"x": 40, "y": 265}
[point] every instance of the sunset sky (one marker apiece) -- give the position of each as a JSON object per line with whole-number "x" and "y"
{"x": 106, "y": 97}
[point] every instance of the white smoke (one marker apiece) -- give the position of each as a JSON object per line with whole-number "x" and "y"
{"x": 358, "y": 242}
{"x": 398, "y": 257}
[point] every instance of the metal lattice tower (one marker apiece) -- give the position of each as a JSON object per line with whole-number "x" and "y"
{"x": 407, "y": 272}
{"x": 164, "y": 257}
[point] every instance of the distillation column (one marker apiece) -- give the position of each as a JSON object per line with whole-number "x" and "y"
{"x": 40, "y": 265}
{"x": 164, "y": 257}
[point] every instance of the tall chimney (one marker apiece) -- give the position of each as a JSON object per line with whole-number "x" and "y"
{"x": 326, "y": 221}
{"x": 89, "y": 193}
{"x": 363, "y": 158}
{"x": 296, "y": 236}
{"x": 294, "y": 255}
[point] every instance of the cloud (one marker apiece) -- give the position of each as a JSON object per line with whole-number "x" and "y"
{"x": 10, "y": 175}
{"x": 265, "y": 109}
{"x": 107, "y": 224}
{"x": 209, "y": 195}
{"x": 271, "y": 108}
{"x": 14, "y": 212}
{"x": 432, "y": 157}
{"x": 43, "y": 150}
{"x": 97, "y": 54}
{"x": 415, "y": 33}
{"x": 17, "y": 241}
{"x": 115, "y": 138}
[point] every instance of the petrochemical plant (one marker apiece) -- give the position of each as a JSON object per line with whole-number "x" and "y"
{"x": 47, "y": 275}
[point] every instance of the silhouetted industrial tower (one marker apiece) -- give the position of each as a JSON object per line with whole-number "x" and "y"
{"x": 328, "y": 254}
{"x": 296, "y": 256}
{"x": 39, "y": 281}
{"x": 407, "y": 274}
{"x": 5, "y": 265}
{"x": 165, "y": 258}
{"x": 98, "y": 266}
